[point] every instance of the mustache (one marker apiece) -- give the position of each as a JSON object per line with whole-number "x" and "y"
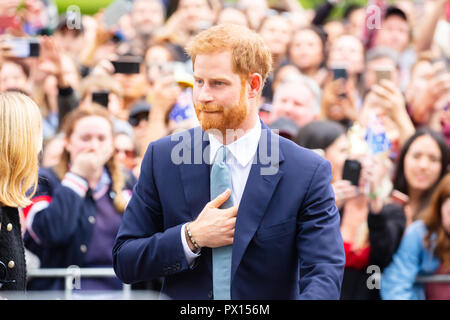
{"x": 209, "y": 107}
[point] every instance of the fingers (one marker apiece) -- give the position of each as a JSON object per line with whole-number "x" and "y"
{"x": 220, "y": 199}
{"x": 344, "y": 190}
{"x": 232, "y": 211}
{"x": 382, "y": 91}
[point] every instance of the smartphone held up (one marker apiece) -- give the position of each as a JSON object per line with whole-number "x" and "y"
{"x": 23, "y": 47}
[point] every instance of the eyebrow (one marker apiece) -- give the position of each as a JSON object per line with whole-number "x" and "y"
{"x": 223, "y": 79}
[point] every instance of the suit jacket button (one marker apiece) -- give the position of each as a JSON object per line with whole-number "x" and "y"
{"x": 9, "y": 227}
{"x": 210, "y": 294}
{"x": 11, "y": 264}
{"x": 91, "y": 219}
{"x": 83, "y": 248}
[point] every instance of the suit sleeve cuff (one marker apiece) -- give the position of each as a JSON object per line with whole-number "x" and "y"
{"x": 76, "y": 183}
{"x": 190, "y": 256}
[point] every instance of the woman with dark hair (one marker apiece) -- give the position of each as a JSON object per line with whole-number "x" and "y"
{"x": 307, "y": 51}
{"x": 424, "y": 250}
{"x": 328, "y": 138}
{"x": 414, "y": 180}
{"x": 354, "y": 204}
{"x": 421, "y": 165}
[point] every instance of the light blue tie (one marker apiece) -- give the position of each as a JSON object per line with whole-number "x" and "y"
{"x": 221, "y": 256}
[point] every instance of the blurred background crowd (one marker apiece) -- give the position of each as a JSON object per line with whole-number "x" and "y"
{"x": 364, "y": 83}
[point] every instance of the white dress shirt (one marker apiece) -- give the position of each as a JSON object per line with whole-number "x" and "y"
{"x": 239, "y": 160}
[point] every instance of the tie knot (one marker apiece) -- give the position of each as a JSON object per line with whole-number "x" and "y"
{"x": 221, "y": 155}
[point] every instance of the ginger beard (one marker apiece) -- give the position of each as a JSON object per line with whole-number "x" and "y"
{"x": 220, "y": 117}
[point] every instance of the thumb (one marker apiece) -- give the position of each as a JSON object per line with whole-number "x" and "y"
{"x": 220, "y": 199}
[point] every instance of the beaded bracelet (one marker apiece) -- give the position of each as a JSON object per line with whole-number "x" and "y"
{"x": 196, "y": 246}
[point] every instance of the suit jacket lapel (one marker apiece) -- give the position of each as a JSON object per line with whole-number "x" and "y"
{"x": 257, "y": 194}
{"x": 195, "y": 176}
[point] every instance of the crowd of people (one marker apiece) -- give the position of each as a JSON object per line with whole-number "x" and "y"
{"x": 368, "y": 89}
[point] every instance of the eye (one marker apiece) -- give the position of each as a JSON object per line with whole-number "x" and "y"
{"x": 218, "y": 83}
{"x": 85, "y": 138}
{"x": 199, "y": 82}
{"x": 434, "y": 158}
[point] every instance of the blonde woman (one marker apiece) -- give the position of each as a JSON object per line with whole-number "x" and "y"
{"x": 20, "y": 144}
{"x": 78, "y": 206}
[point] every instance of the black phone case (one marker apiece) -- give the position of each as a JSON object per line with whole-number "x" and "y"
{"x": 126, "y": 67}
{"x": 352, "y": 171}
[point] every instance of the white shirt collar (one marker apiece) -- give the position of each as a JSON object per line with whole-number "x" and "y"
{"x": 243, "y": 149}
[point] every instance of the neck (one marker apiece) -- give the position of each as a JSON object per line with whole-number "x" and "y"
{"x": 414, "y": 195}
{"x": 414, "y": 200}
{"x": 310, "y": 72}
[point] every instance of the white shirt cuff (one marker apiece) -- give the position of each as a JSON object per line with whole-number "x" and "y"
{"x": 190, "y": 256}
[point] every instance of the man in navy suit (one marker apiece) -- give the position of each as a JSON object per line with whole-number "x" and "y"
{"x": 282, "y": 227}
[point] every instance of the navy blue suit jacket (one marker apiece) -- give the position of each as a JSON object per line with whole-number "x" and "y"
{"x": 287, "y": 242}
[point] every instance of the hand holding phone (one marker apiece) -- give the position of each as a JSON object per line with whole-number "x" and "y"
{"x": 24, "y": 47}
{"x": 383, "y": 73}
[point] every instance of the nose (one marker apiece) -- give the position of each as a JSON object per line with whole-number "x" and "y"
{"x": 424, "y": 162}
{"x": 204, "y": 94}
{"x": 95, "y": 144}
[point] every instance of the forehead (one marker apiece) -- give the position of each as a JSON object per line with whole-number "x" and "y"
{"x": 92, "y": 125}
{"x": 276, "y": 22}
{"x": 295, "y": 91}
{"x": 10, "y": 67}
{"x": 123, "y": 140}
{"x": 147, "y": 4}
{"x": 306, "y": 35}
{"x": 348, "y": 41}
{"x": 191, "y": 3}
{"x": 425, "y": 143}
{"x": 395, "y": 20}
{"x": 214, "y": 65}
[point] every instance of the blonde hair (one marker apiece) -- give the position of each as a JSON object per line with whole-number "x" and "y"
{"x": 20, "y": 144}
{"x": 249, "y": 52}
{"x": 115, "y": 170}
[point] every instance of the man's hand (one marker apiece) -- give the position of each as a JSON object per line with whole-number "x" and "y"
{"x": 214, "y": 227}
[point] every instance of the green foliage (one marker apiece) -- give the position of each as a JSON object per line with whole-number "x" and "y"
{"x": 86, "y": 6}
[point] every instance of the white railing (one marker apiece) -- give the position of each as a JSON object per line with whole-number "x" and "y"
{"x": 434, "y": 278}
{"x": 73, "y": 275}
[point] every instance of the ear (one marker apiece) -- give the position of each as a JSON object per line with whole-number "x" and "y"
{"x": 256, "y": 84}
